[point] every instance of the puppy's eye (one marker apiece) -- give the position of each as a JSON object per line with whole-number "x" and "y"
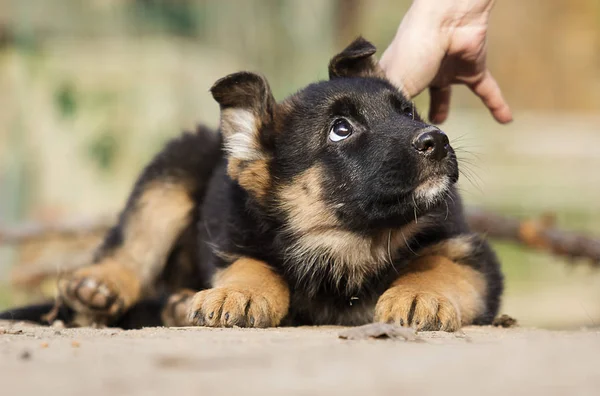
{"x": 409, "y": 112}
{"x": 340, "y": 130}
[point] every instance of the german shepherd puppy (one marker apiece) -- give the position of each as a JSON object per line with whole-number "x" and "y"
{"x": 335, "y": 206}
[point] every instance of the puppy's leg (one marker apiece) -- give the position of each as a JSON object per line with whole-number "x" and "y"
{"x": 248, "y": 293}
{"x": 135, "y": 251}
{"x": 123, "y": 273}
{"x": 443, "y": 289}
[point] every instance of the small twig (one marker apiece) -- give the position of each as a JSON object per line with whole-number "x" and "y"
{"x": 538, "y": 234}
{"x": 34, "y": 231}
{"x": 32, "y": 274}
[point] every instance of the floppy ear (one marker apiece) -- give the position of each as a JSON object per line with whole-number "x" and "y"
{"x": 247, "y": 110}
{"x": 357, "y": 60}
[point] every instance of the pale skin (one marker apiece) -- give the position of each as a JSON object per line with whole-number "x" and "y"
{"x": 440, "y": 43}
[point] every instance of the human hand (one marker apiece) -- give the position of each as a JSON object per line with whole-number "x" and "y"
{"x": 440, "y": 43}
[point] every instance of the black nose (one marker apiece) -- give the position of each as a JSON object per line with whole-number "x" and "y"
{"x": 433, "y": 143}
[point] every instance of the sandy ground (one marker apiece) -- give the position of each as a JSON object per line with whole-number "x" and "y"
{"x": 299, "y": 361}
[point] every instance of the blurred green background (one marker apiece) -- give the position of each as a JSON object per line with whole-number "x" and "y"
{"x": 90, "y": 90}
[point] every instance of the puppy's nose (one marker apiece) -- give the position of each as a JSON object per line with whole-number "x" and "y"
{"x": 433, "y": 143}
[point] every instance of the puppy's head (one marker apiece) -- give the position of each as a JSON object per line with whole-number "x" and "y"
{"x": 348, "y": 153}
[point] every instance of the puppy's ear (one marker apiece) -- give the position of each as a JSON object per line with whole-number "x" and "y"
{"x": 357, "y": 60}
{"x": 247, "y": 112}
{"x": 247, "y": 106}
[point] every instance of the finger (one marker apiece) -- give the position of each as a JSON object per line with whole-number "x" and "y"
{"x": 488, "y": 90}
{"x": 439, "y": 104}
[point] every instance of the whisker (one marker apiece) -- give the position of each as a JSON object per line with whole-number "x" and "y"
{"x": 460, "y": 137}
{"x": 450, "y": 197}
{"x": 415, "y": 208}
{"x": 468, "y": 161}
{"x": 470, "y": 179}
{"x": 462, "y": 145}
{"x": 389, "y": 250}
{"x": 467, "y": 150}
{"x": 406, "y": 243}
{"x": 447, "y": 210}
{"x": 468, "y": 171}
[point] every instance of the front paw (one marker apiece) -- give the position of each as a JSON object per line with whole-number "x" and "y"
{"x": 422, "y": 310}
{"x": 234, "y": 306}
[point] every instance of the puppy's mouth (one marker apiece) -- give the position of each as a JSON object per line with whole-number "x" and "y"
{"x": 393, "y": 207}
{"x": 432, "y": 190}
{"x": 428, "y": 192}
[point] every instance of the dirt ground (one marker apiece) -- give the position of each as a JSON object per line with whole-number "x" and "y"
{"x": 299, "y": 361}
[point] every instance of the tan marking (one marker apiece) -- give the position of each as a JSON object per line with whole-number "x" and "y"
{"x": 322, "y": 241}
{"x": 160, "y": 215}
{"x": 306, "y": 209}
{"x": 255, "y": 178}
{"x": 217, "y": 276}
{"x": 456, "y": 249}
{"x": 248, "y": 293}
{"x": 446, "y": 295}
{"x": 234, "y": 167}
{"x": 247, "y": 160}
